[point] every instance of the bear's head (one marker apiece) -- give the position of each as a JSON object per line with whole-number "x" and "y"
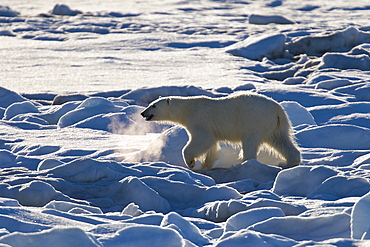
{"x": 158, "y": 110}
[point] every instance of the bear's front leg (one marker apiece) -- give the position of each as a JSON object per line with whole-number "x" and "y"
{"x": 189, "y": 156}
{"x": 198, "y": 144}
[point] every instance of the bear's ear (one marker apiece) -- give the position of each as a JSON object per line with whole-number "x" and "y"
{"x": 169, "y": 101}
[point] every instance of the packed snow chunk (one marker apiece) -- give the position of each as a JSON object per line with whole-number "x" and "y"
{"x": 8, "y": 97}
{"x": 57, "y": 237}
{"x": 85, "y": 29}
{"x": 186, "y": 229}
{"x": 359, "y": 119}
{"x": 217, "y": 211}
{"x": 143, "y": 236}
{"x": 167, "y": 148}
{"x": 87, "y": 170}
{"x": 88, "y": 108}
{"x": 288, "y": 208}
{"x": 306, "y": 228}
{"x": 323, "y": 114}
{"x": 338, "y": 41}
{"x": 8, "y": 12}
{"x": 6, "y": 32}
{"x": 331, "y": 84}
{"x": 30, "y": 118}
{"x": 132, "y": 189}
{"x": 258, "y": 47}
{"x": 114, "y": 122}
{"x": 347, "y": 137}
{"x": 220, "y": 192}
{"x": 248, "y": 238}
{"x": 67, "y": 206}
{"x": 297, "y": 113}
{"x": 267, "y": 19}
{"x": 251, "y": 169}
{"x": 363, "y": 93}
{"x": 19, "y": 108}
{"x": 36, "y": 150}
{"x": 294, "y": 80}
{"x": 54, "y": 113}
{"x": 48, "y": 164}
{"x": 301, "y": 180}
{"x": 363, "y": 160}
{"x": 7, "y": 159}
{"x": 62, "y": 99}
{"x": 35, "y": 193}
{"x": 360, "y": 218}
{"x": 360, "y": 49}
{"x": 247, "y": 218}
{"x": 188, "y": 195}
{"x": 340, "y": 187}
{"x": 8, "y": 202}
{"x": 281, "y": 75}
{"x": 3, "y": 231}
{"x": 62, "y": 9}
{"x": 344, "y": 61}
{"x": 132, "y": 210}
{"x": 15, "y": 224}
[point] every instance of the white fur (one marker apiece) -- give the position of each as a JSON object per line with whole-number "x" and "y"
{"x": 247, "y": 119}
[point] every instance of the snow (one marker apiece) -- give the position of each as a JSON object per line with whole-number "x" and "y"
{"x": 267, "y": 19}
{"x": 256, "y": 48}
{"x": 79, "y": 166}
{"x": 62, "y": 9}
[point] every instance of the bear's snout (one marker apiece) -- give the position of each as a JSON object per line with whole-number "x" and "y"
{"x": 146, "y": 116}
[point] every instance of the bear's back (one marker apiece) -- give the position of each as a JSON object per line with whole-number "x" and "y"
{"x": 229, "y": 118}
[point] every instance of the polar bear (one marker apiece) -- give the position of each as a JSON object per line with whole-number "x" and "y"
{"x": 251, "y": 120}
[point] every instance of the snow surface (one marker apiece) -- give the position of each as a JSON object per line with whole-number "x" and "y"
{"x": 79, "y": 166}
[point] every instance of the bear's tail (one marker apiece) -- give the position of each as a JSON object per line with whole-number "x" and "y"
{"x": 282, "y": 140}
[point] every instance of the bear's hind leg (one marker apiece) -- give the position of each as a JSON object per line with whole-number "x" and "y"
{"x": 196, "y": 147}
{"x": 287, "y": 148}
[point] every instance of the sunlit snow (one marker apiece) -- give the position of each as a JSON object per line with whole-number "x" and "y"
{"x": 79, "y": 166}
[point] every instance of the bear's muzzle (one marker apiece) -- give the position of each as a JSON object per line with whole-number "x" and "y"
{"x": 147, "y": 118}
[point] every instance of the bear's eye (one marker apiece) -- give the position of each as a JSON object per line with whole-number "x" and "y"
{"x": 153, "y": 106}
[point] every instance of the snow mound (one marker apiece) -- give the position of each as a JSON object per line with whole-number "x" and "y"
{"x": 243, "y": 220}
{"x": 250, "y": 238}
{"x": 301, "y": 180}
{"x": 8, "y": 97}
{"x": 88, "y": 108}
{"x": 344, "y": 61}
{"x": 337, "y": 41}
{"x": 315, "y": 228}
{"x": 19, "y": 108}
{"x": 267, "y": 19}
{"x": 185, "y": 228}
{"x": 57, "y": 237}
{"x": 35, "y": 193}
{"x": 144, "y": 236}
{"x": 62, "y": 9}
{"x": 258, "y": 47}
{"x": 7, "y": 12}
{"x": 360, "y": 218}
{"x": 335, "y": 136}
{"x": 68, "y": 206}
{"x": 297, "y": 113}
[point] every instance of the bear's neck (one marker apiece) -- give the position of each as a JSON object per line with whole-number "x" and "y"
{"x": 181, "y": 115}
